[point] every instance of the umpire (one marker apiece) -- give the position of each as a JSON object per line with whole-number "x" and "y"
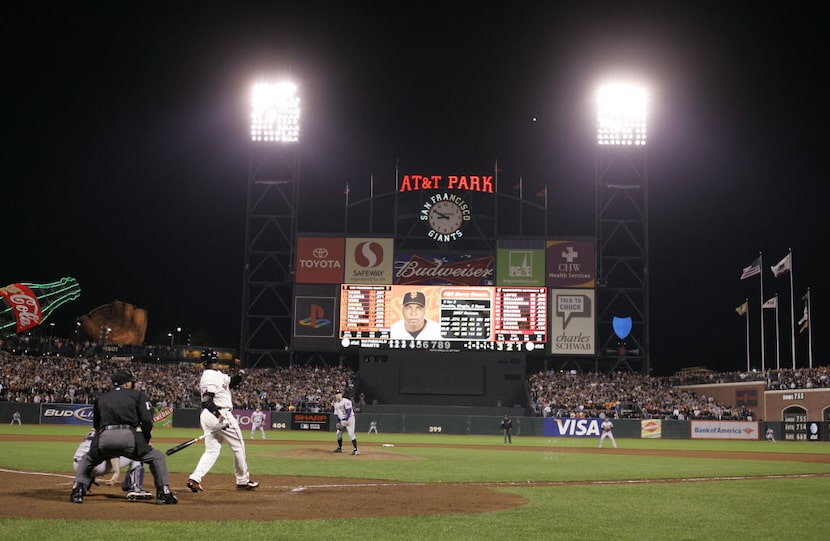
{"x": 123, "y": 421}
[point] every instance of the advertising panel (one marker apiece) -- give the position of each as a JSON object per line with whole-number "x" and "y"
{"x": 571, "y": 428}
{"x": 320, "y": 260}
{"x": 310, "y": 421}
{"x": 571, "y": 263}
{"x": 724, "y": 430}
{"x": 315, "y": 318}
{"x": 520, "y": 263}
{"x": 369, "y": 261}
{"x": 66, "y": 414}
{"x": 437, "y": 269}
{"x": 572, "y": 322}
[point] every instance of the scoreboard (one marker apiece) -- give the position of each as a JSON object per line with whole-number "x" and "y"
{"x": 496, "y": 318}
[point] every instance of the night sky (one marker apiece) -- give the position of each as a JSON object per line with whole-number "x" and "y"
{"x": 127, "y": 149}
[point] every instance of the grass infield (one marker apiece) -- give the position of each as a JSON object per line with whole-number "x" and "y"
{"x": 646, "y": 489}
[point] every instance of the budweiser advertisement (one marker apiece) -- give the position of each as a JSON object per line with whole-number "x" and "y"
{"x": 435, "y": 269}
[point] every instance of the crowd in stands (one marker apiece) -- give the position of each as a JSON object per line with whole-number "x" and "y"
{"x": 80, "y": 375}
{"x": 626, "y": 394}
{"x": 78, "y": 380}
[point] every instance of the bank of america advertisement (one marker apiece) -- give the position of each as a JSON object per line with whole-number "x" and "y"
{"x": 369, "y": 261}
{"x": 572, "y": 322}
{"x": 571, "y": 263}
{"x": 520, "y": 263}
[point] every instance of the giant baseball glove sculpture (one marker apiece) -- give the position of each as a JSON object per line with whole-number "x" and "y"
{"x": 127, "y": 324}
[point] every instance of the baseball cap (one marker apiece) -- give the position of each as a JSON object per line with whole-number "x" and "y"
{"x": 122, "y": 376}
{"x": 414, "y": 297}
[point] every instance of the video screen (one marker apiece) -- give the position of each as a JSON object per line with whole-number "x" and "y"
{"x": 496, "y": 318}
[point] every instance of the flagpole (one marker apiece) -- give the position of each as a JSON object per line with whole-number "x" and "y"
{"x": 747, "y": 334}
{"x": 763, "y": 362}
{"x": 792, "y": 307}
{"x": 809, "y": 328}
{"x": 777, "y": 337}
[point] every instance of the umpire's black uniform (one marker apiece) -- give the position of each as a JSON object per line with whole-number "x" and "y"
{"x": 123, "y": 422}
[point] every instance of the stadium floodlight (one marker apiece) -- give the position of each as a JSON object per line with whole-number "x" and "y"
{"x": 275, "y": 113}
{"x": 621, "y": 115}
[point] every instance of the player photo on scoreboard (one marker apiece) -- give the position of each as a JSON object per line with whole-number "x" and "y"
{"x": 418, "y": 314}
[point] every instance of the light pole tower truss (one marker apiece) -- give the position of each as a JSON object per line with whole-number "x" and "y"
{"x": 621, "y": 198}
{"x": 271, "y": 227}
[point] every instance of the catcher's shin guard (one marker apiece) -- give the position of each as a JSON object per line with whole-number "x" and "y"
{"x": 134, "y": 480}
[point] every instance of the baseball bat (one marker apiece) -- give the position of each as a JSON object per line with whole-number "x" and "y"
{"x": 188, "y": 443}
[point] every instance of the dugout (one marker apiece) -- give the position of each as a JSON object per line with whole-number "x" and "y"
{"x": 438, "y": 378}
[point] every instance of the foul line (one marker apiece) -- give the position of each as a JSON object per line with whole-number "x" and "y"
{"x": 303, "y": 488}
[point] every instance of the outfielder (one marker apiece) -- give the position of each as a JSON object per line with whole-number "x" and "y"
{"x": 258, "y": 422}
{"x": 345, "y": 421}
{"x": 133, "y": 482}
{"x": 217, "y": 409}
{"x": 607, "y": 426}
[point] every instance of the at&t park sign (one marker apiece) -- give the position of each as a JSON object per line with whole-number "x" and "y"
{"x": 471, "y": 183}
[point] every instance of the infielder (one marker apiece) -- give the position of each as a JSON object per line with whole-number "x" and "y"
{"x": 258, "y": 422}
{"x": 344, "y": 414}
{"x": 217, "y": 410}
{"x": 133, "y": 482}
{"x": 607, "y": 426}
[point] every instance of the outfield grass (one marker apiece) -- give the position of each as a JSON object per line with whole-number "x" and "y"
{"x": 619, "y": 506}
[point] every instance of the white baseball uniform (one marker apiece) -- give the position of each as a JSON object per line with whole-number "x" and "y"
{"x": 214, "y": 381}
{"x": 607, "y": 426}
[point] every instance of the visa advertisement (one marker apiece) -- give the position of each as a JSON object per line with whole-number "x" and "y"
{"x": 571, "y": 427}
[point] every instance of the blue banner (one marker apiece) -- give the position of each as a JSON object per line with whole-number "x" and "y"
{"x": 572, "y": 428}
{"x": 66, "y": 414}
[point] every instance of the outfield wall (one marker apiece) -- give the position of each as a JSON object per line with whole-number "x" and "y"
{"x": 434, "y": 423}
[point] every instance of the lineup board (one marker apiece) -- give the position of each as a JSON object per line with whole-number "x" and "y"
{"x": 496, "y": 318}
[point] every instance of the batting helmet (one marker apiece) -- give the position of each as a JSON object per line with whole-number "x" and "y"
{"x": 209, "y": 357}
{"x": 122, "y": 376}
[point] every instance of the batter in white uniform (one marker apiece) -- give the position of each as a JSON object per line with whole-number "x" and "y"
{"x": 344, "y": 416}
{"x": 217, "y": 411}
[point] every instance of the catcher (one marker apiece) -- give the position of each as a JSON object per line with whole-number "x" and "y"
{"x": 344, "y": 414}
{"x": 133, "y": 482}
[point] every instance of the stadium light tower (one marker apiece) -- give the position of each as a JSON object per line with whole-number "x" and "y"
{"x": 268, "y": 268}
{"x": 621, "y": 199}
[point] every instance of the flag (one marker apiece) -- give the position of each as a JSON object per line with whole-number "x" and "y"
{"x": 805, "y": 319}
{"x": 346, "y": 190}
{"x": 753, "y": 269}
{"x": 518, "y": 185}
{"x": 543, "y": 192}
{"x": 742, "y": 309}
{"x": 496, "y": 169}
{"x": 772, "y": 303}
{"x": 783, "y": 266}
